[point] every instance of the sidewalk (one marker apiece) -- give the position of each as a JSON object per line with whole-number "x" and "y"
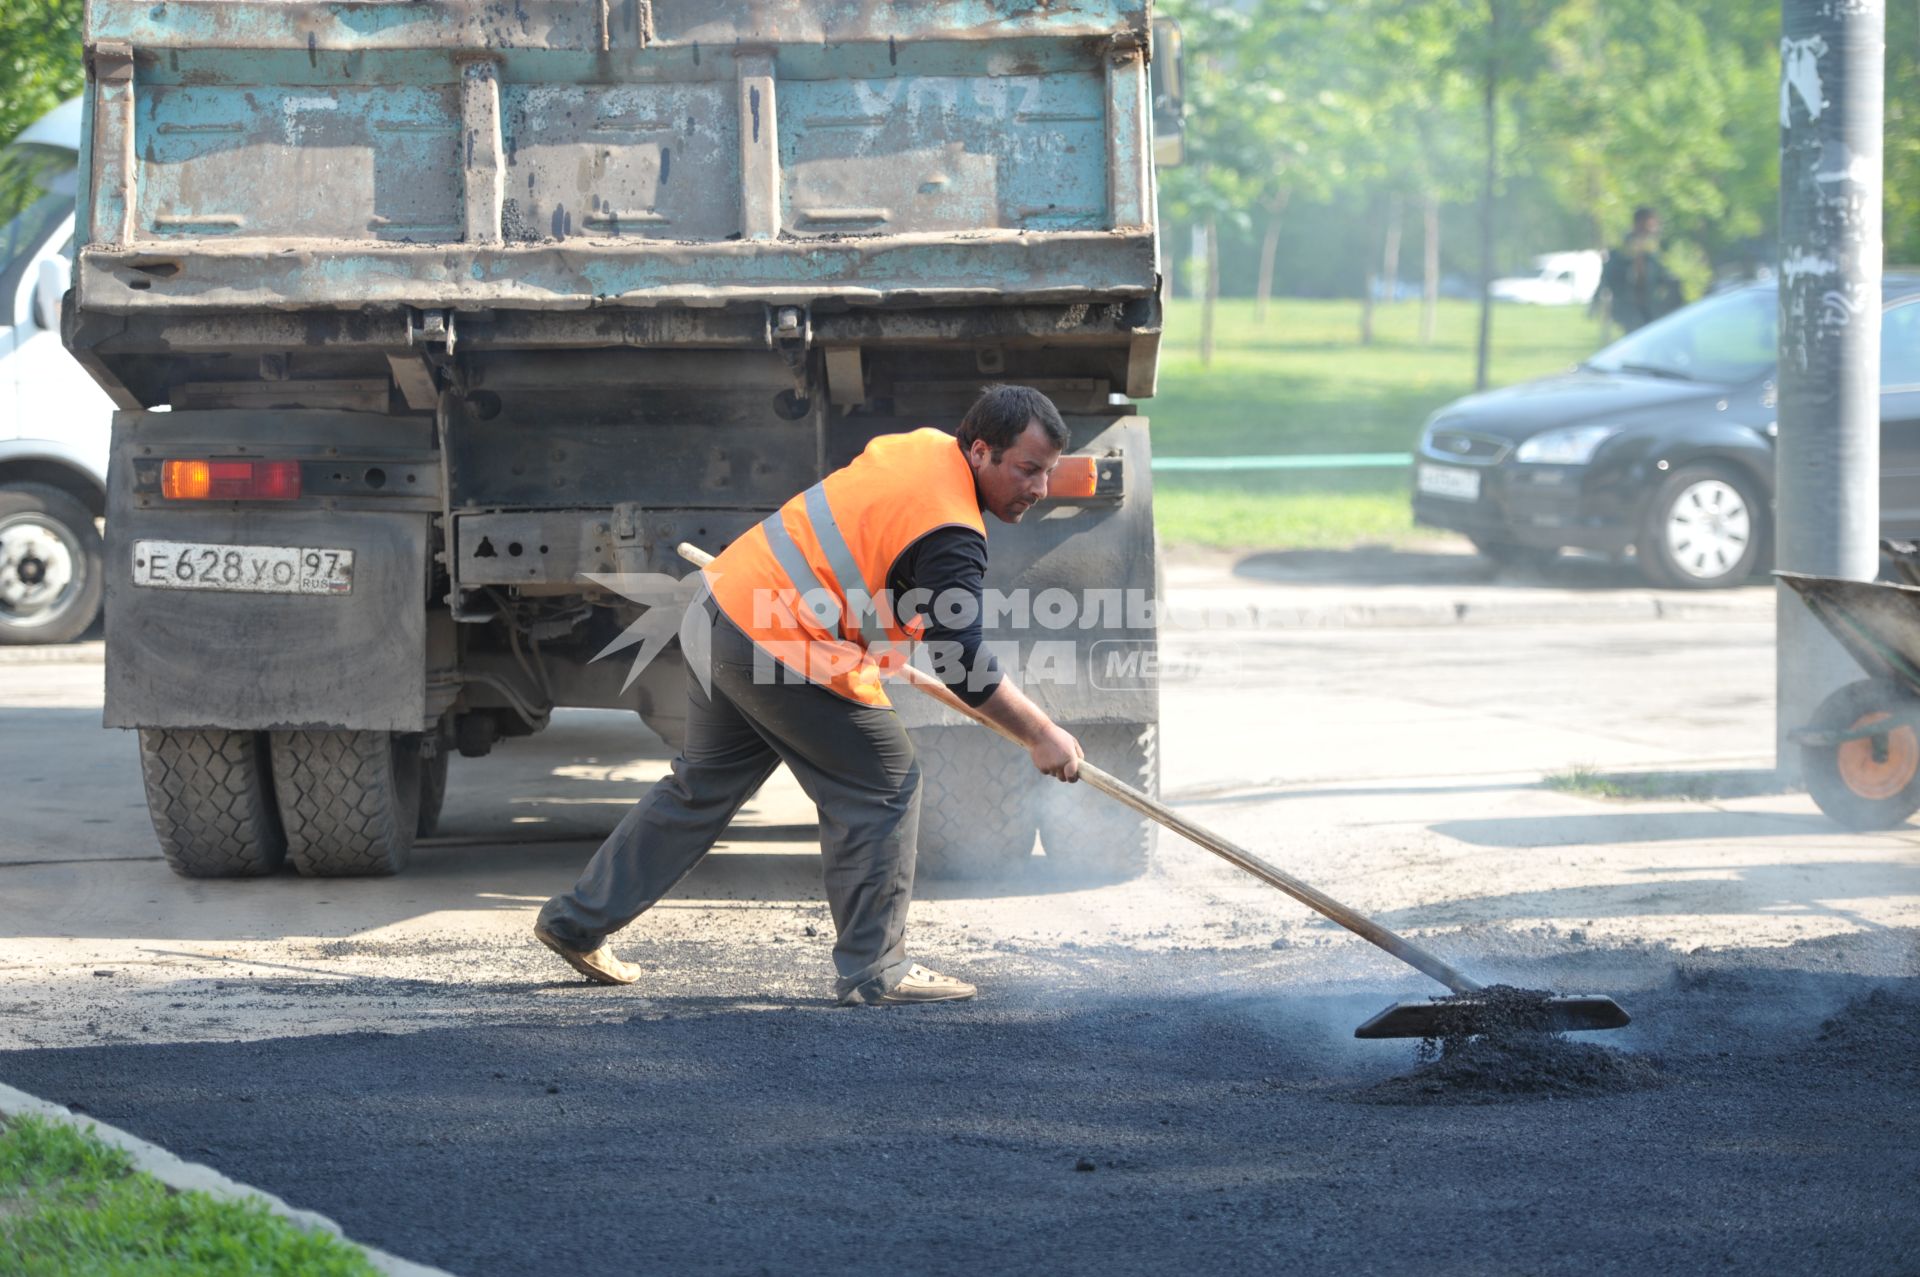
{"x": 1348, "y": 589}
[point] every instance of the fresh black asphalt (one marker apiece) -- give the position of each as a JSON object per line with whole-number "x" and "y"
{"x": 1180, "y": 1120}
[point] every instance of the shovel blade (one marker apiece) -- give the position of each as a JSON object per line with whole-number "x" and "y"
{"x": 1565, "y": 1013}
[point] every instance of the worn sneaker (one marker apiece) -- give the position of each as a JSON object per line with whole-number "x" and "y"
{"x": 918, "y": 985}
{"x": 599, "y": 966}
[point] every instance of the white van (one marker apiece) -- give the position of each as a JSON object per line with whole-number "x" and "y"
{"x": 1559, "y": 279}
{"x": 54, "y": 421}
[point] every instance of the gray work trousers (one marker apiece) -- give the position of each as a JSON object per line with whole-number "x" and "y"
{"x": 854, "y": 761}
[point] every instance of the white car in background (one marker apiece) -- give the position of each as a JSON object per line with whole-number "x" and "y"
{"x": 54, "y": 421}
{"x": 1559, "y": 279}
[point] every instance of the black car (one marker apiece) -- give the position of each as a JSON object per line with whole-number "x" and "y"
{"x": 1660, "y": 444}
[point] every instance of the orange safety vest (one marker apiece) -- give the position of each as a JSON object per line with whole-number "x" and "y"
{"x": 807, "y": 583}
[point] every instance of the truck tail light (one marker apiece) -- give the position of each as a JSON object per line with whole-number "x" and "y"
{"x": 1084, "y": 478}
{"x": 230, "y": 480}
{"x": 1073, "y": 477}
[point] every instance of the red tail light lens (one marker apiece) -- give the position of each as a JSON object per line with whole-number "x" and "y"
{"x": 230, "y": 480}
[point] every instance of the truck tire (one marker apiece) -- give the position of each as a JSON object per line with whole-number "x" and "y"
{"x": 210, "y": 795}
{"x": 1090, "y": 836}
{"x": 350, "y": 801}
{"x": 52, "y": 565}
{"x": 979, "y": 803}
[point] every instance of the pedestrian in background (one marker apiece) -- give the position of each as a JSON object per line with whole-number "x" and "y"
{"x": 1635, "y": 284}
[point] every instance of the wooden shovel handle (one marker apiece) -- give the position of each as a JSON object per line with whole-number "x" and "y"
{"x": 1361, "y": 925}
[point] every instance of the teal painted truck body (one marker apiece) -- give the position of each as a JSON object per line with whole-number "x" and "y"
{"x": 437, "y": 155}
{"x": 584, "y": 278}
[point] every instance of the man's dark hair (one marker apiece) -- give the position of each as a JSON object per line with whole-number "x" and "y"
{"x": 1001, "y": 415}
{"x": 1643, "y": 214}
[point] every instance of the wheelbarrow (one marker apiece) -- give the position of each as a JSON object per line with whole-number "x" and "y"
{"x": 1860, "y": 755}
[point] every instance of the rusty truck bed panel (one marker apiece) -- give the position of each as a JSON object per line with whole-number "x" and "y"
{"x": 250, "y": 155}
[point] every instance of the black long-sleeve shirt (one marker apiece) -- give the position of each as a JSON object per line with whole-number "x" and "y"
{"x": 949, "y": 559}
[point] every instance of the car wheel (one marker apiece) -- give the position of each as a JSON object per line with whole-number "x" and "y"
{"x": 52, "y": 566}
{"x": 1703, "y": 530}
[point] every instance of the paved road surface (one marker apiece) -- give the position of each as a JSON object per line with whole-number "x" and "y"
{"x": 399, "y": 1056}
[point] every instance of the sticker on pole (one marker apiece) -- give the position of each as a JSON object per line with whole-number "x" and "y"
{"x": 242, "y": 569}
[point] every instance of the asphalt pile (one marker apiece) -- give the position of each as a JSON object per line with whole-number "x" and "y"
{"x": 1497, "y": 1044}
{"x": 1879, "y": 1032}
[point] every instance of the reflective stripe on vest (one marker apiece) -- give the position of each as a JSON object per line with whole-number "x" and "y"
{"x": 826, "y": 530}
{"x": 814, "y": 596}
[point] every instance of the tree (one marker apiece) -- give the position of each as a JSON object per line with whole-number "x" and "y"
{"x": 1211, "y": 187}
{"x": 40, "y": 60}
{"x": 1667, "y": 103}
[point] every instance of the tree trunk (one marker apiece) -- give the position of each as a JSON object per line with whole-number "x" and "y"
{"x": 1269, "y": 250}
{"x": 1490, "y": 113}
{"x": 1390, "y": 252}
{"x": 1210, "y": 291}
{"x": 1370, "y": 280}
{"x": 1430, "y": 269}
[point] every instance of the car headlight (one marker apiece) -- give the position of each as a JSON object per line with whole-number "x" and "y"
{"x": 1573, "y": 446}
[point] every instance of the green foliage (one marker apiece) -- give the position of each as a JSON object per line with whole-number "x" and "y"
{"x": 71, "y": 1206}
{"x": 40, "y": 63}
{"x": 1903, "y": 134}
{"x": 1341, "y": 105}
{"x": 1660, "y": 103}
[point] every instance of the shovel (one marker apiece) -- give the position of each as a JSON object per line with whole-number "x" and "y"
{"x": 1432, "y": 1018}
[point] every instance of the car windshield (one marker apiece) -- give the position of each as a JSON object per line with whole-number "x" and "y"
{"x": 1731, "y": 337}
{"x": 37, "y": 188}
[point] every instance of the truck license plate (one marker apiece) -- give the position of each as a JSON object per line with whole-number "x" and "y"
{"x": 252, "y": 569}
{"x": 1446, "y": 481}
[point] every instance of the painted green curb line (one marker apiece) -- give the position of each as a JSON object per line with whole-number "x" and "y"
{"x": 1322, "y": 461}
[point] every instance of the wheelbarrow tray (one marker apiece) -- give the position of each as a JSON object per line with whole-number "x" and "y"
{"x": 1878, "y": 623}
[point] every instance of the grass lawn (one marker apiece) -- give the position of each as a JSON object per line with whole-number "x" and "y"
{"x": 71, "y": 1205}
{"x": 1301, "y": 382}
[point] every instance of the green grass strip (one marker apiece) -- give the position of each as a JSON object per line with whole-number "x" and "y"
{"x": 72, "y": 1206}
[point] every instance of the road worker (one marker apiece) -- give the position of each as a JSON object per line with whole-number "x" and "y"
{"x": 803, "y": 625}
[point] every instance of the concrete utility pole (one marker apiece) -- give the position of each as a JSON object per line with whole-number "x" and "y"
{"x": 1832, "y": 81}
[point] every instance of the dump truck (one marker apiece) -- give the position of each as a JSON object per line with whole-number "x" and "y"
{"x": 434, "y": 325}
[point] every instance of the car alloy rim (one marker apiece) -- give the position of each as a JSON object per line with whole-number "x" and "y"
{"x": 1708, "y": 529}
{"x": 40, "y": 570}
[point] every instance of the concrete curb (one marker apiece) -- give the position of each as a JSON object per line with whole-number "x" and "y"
{"x": 1222, "y": 609}
{"x": 186, "y": 1177}
{"x": 86, "y": 653}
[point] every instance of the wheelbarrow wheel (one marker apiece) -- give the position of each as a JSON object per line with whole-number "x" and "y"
{"x": 1872, "y": 782}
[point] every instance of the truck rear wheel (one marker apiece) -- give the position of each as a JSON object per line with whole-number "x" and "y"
{"x": 979, "y": 803}
{"x": 350, "y": 801}
{"x": 1090, "y": 835}
{"x": 210, "y": 795}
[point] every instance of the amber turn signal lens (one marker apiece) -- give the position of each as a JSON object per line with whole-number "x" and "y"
{"x": 230, "y": 480}
{"x": 186, "y": 480}
{"x": 1074, "y": 477}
